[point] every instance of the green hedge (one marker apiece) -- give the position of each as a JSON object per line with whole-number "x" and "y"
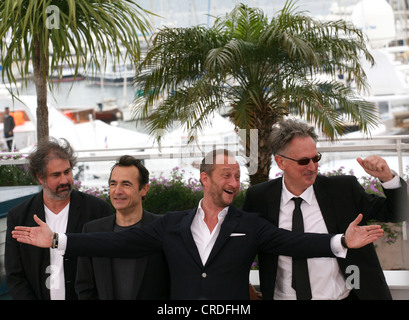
{"x": 174, "y": 193}
{"x": 15, "y": 175}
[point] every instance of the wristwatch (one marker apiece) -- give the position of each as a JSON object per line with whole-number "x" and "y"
{"x": 54, "y": 245}
{"x": 344, "y": 242}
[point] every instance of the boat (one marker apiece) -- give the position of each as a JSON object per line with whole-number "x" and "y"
{"x": 106, "y": 111}
{"x": 66, "y": 74}
{"x": 114, "y": 71}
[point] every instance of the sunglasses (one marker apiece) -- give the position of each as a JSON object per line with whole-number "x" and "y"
{"x": 305, "y": 161}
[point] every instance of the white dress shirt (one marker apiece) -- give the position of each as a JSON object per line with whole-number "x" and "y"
{"x": 205, "y": 239}
{"x": 327, "y": 281}
{"x": 56, "y": 280}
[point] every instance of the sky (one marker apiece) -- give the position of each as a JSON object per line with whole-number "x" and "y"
{"x": 184, "y": 13}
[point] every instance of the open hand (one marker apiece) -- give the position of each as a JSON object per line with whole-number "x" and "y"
{"x": 358, "y": 236}
{"x": 41, "y": 236}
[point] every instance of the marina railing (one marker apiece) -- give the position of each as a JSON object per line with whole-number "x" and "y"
{"x": 393, "y": 145}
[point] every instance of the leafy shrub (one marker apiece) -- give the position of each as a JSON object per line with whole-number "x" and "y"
{"x": 102, "y": 193}
{"x": 176, "y": 194}
{"x": 15, "y": 175}
{"x": 172, "y": 193}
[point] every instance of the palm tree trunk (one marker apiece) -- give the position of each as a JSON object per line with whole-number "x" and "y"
{"x": 265, "y": 152}
{"x": 40, "y": 66}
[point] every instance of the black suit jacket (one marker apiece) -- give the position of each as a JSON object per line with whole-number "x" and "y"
{"x": 226, "y": 272}
{"x": 26, "y": 266}
{"x": 94, "y": 275}
{"x": 341, "y": 199}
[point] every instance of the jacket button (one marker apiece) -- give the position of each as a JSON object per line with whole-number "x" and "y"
{"x": 204, "y": 275}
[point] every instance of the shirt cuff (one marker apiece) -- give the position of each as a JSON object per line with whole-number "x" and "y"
{"x": 394, "y": 183}
{"x": 62, "y": 243}
{"x": 337, "y": 249}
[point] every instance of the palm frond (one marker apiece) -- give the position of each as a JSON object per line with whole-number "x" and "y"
{"x": 265, "y": 69}
{"x": 86, "y": 28}
{"x": 331, "y": 105}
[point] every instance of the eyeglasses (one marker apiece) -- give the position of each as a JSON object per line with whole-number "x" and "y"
{"x": 305, "y": 161}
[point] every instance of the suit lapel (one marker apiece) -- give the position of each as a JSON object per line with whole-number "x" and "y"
{"x": 143, "y": 261}
{"x": 273, "y": 194}
{"x": 187, "y": 237}
{"x": 74, "y": 212}
{"x": 228, "y": 226}
{"x": 39, "y": 207}
{"x": 40, "y": 256}
{"x": 108, "y": 282}
{"x": 325, "y": 203}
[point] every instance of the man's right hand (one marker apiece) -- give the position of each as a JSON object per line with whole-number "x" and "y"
{"x": 41, "y": 236}
{"x": 358, "y": 236}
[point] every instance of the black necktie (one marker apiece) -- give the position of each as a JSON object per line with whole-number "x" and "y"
{"x": 300, "y": 280}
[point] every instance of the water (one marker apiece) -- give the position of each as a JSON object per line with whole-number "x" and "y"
{"x": 84, "y": 94}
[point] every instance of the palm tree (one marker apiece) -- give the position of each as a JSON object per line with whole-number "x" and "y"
{"x": 53, "y": 32}
{"x": 266, "y": 69}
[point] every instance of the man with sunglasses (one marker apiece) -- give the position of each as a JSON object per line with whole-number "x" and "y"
{"x": 327, "y": 204}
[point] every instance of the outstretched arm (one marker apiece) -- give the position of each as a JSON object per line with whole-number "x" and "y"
{"x": 41, "y": 236}
{"x": 133, "y": 243}
{"x": 358, "y": 236}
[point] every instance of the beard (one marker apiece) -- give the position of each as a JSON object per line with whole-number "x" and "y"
{"x": 221, "y": 198}
{"x": 62, "y": 192}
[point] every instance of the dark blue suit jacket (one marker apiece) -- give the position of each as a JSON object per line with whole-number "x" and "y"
{"x": 226, "y": 272}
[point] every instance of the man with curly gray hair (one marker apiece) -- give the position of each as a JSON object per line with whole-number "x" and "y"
{"x": 41, "y": 274}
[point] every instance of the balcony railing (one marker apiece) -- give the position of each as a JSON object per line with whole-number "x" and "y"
{"x": 393, "y": 145}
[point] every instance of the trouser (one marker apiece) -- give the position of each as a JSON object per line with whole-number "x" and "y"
{"x": 9, "y": 140}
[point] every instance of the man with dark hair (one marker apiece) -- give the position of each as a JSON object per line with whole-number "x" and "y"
{"x": 8, "y": 128}
{"x": 210, "y": 248}
{"x": 326, "y": 205}
{"x": 105, "y": 278}
{"x": 43, "y": 274}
